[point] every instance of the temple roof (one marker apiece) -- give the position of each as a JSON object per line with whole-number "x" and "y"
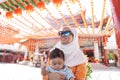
{"x": 26, "y": 19}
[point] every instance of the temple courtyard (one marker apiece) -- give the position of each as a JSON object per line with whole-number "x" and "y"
{"x": 23, "y": 72}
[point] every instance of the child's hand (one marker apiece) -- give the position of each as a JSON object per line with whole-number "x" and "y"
{"x": 72, "y": 78}
{"x": 43, "y": 70}
{"x": 43, "y": 65}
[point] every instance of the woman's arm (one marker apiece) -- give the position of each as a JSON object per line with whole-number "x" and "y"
{"x": 56, "y": 76}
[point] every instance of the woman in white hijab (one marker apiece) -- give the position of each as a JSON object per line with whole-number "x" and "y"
{"x": 74, "y": 57}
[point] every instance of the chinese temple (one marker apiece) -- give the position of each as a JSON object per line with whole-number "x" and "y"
{"x": 35, "y": 24}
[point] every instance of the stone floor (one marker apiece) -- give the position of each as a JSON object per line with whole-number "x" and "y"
{"x": 102, "y": 72}
{"x": 23, "y": 72}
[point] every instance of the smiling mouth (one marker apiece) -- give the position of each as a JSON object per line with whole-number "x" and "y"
{"x": 63, "y": 38}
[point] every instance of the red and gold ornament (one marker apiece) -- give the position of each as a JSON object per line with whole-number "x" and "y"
{"x": 18, "y": 11}
{"x": 9, "y": 15}
{"x": 29, "y": 8}
{"x": 41, "y": 5}
{"x": 57, "y": 3}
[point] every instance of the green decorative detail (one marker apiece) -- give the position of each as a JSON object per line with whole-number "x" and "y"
{"x": 26, "y": 3}
{"x": 9, "y": 1}
{"x": 1, "y": 6}
{"x": 20, "y": 5}
{"x": 39, "y": 0}
{"x": 6, "y": 9}
{"x": 33, "y": 3}
{"x": 47, "y": 2}
{"x": 89, "y": 71}
{"x": 23, "y": 1}
{"x": 5, "y": 4}
{"x": 15, "y": 5}
{"x": 15, "y": 1}
{"x": 11, "y": 8}
{"x": 10, "y": 5}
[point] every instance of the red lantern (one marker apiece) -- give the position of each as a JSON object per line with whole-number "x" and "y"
{"x": 41, "y": 5}
{"x": 29, "y": 8}
{"x": 18, "y": 11}
{"x": 57, "y": 3}
{"x": 9, "y": 15}
{"x": 73, "y": 1}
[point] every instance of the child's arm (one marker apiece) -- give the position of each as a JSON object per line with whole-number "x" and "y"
{"x": 43, "y": 69}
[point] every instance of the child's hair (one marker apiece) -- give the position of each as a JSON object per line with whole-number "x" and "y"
{"x": 57, "y": 53}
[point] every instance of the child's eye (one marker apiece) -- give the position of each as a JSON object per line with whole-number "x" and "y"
{"x": 59, "y": 63}
{"x": 54, "y": 64}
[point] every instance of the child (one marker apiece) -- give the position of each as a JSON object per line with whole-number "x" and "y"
{"x": 57, "y": 65}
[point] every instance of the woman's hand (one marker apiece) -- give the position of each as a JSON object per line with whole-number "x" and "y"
{"x": 56, "y": 76}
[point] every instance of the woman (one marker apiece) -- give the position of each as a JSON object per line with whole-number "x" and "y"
{"x": 74, "y": 57}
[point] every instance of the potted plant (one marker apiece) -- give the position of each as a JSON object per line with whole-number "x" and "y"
{"x": 111, "y": 59}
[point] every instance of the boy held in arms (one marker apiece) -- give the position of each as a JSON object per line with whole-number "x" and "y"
{"x": 57, "y": 65}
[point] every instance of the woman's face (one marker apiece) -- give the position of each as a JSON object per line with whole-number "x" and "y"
{"x": 66, "y": 39}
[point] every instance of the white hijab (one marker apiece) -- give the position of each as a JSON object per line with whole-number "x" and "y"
{"x": 73, "y": 54}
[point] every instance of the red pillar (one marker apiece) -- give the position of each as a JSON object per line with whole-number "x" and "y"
{"x": 10, "y": 57}
{"x": 116, "y": 17}
{"x": 4, "y": 54}
{"x": 105, "y": 57}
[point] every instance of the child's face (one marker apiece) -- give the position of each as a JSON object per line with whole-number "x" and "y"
{"x": 57, "y": 63}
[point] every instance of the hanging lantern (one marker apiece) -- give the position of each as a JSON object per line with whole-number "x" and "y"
{"x": 57, "y": 3}
{"x": 9, "y": 15}
{"x": 29, "y": 8}
{"x": 41, "y": 5}
{"x": 73, "y": 1}
{"x": 18, "y": 11}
